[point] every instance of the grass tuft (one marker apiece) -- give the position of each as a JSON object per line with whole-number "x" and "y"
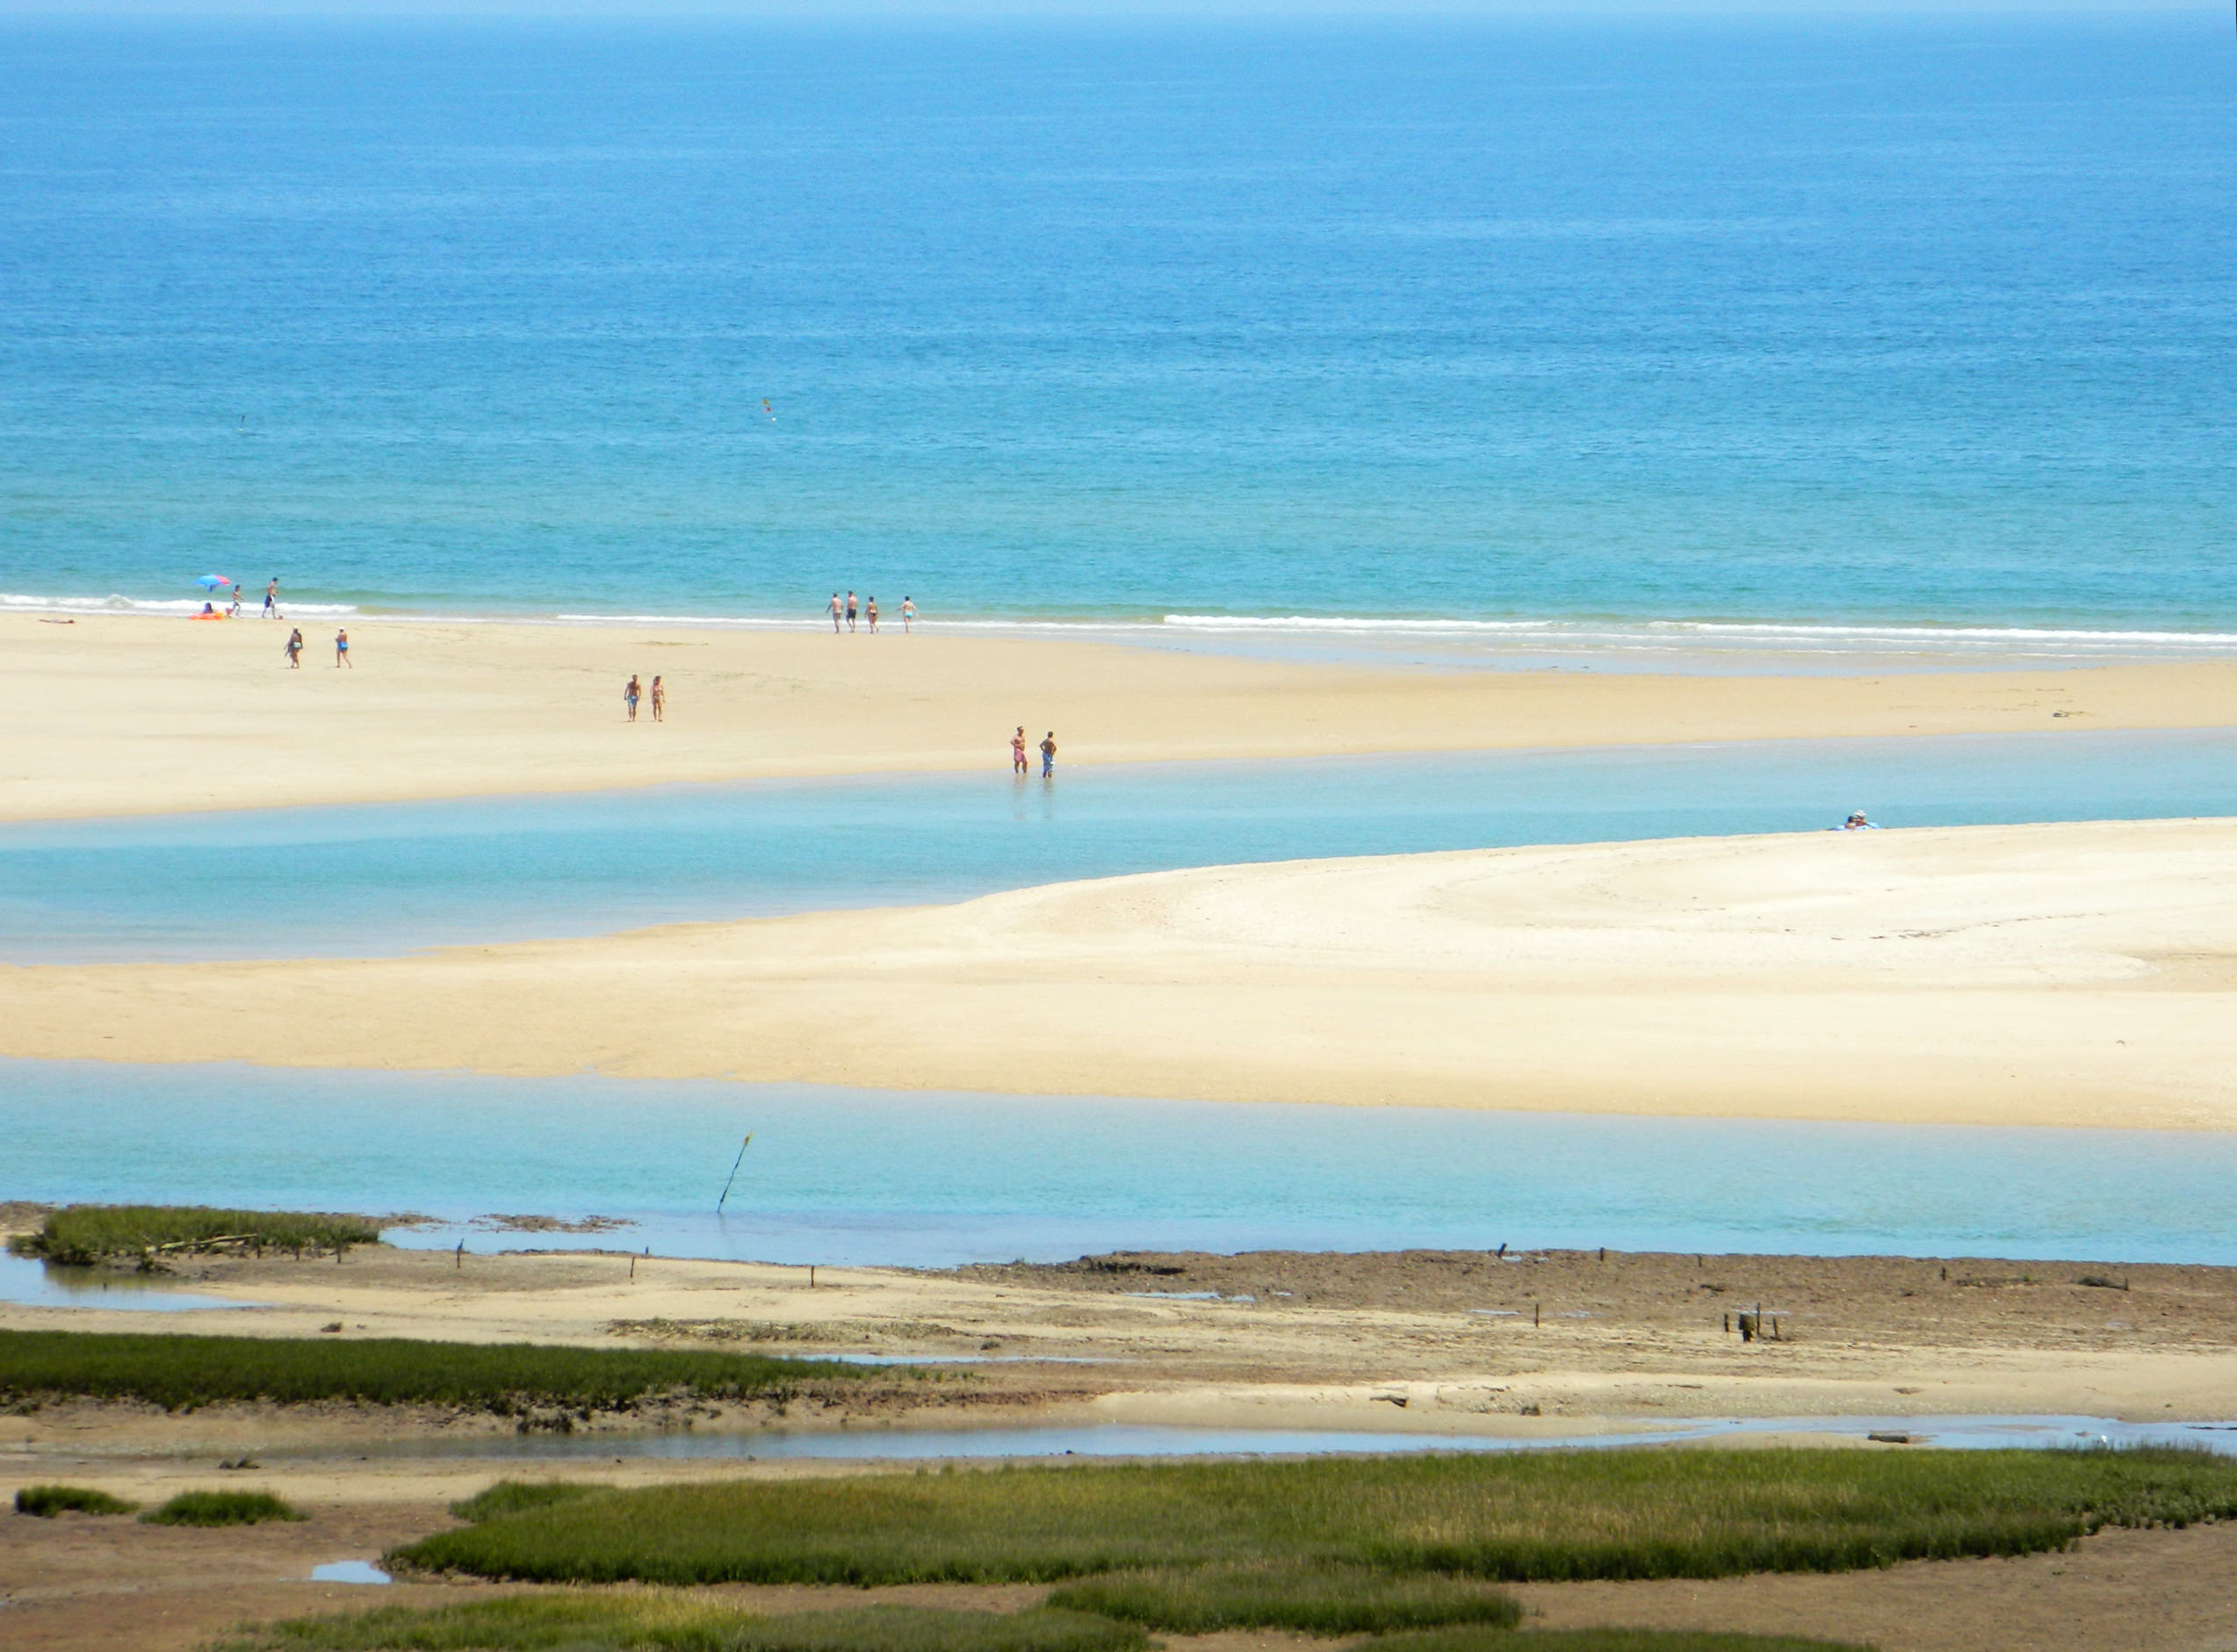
{"x": 1323, "y": 1600}
{"x": 181, "y": 1373}
{"x": 47, "y": 1502}
{"x": 637, "y": 1623}
{"x": 82, "y": 1235}
{"x": 1513, "y": 1518}
{"x": 222, "y": 1508}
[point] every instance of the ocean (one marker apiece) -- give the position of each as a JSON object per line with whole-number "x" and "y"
{"x": 1657, "y": 335}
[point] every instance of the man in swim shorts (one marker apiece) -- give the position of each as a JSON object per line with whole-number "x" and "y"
{"x": 1048, "y": 754}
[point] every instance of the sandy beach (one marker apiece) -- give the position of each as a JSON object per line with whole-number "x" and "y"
{"x": 115, "y": 714}
{"x": 2077, "y": 974}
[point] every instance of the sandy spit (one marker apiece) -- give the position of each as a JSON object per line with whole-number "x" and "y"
{"x": 2078, "y": 975}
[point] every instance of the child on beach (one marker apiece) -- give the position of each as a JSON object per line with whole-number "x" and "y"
{"x": 1017, "y": 751}
{"x": 341, "y": 649}
{"x": 1049, "y": 754}
{"x": 630, "y": 696}
{"x": 660, "y": 701}
{"x": 870, "y": 612}
{"x": 295, "y": 649}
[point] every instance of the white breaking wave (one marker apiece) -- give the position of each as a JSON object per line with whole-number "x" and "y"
{"x": 161, "y": 607}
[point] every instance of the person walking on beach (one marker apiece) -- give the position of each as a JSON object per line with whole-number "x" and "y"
{"x": 1017, "y": 751}
{"x": 630, "y": 696}
{"x": 870, "y": 612}
{"x": 835, "y": 613}
{"x": 908, "y": 615}
{"x": 1049, "y": 754}
{"x": 342, "y": 649}
{"x": 295, "y": 649}
{"x": 660, "y": 701}
{"x": 850, "y": 611}
{"x": 271, "y": 600}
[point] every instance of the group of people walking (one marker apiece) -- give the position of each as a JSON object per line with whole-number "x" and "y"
{"x": 849, "y": 611}
{"x": 631, "y": 693}
{"x": 1019, "y": 765}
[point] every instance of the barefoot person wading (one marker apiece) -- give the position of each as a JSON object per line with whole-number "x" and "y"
{"x": 1049, "y": 754}
{"x": 1017, "y": 751}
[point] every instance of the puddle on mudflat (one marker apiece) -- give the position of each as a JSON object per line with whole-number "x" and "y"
{"x": 37, "y": 1284}
{"x": 349, "y": 1571}
{"x": 1127, "y": 1439}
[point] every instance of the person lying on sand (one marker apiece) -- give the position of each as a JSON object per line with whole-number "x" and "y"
{"x": 1858, "y": 823}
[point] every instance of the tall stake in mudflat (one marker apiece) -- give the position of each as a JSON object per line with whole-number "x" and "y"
{"x": 735, "y": 1164}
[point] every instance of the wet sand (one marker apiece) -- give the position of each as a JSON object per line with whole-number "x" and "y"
{"x": 119, "y": 715}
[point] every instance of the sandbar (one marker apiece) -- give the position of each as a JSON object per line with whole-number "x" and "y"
{"x": 124, "y": 715}
{"x": 2068, "y": 974}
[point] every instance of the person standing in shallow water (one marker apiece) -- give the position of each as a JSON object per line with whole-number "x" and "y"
{"x": 1049, "y": 754}
{"x": 1017, "y": 751}
{"x": 851, "y": 610}
{"x": 630, "y": 693}
{"x": 660, "y": 701}
{"x": 908, "y": 615}
{"x": 835, "y": 611}
{"x": 869, "y": 613}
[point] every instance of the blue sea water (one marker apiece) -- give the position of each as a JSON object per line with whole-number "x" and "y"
{"x": 838, "y": 1175}
{"x": 364, "y": 880}
{"x": 1918, "y": 322}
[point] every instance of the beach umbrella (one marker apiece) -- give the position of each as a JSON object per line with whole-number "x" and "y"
{"x": 211, "y": 581}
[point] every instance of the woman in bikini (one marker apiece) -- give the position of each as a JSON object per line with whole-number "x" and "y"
{"x": 660, "y": 701}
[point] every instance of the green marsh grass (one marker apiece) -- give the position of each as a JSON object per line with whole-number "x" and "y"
{"x": 181, "y": 1373}
{"x": 85, "y": 1234}
{"x": 640, "y": 1622}
{"x": 1668, "y": 1512}
{"x": 49, "y": 1501}
{"x": 1323, "y": 1600}
{"x": 222, "y": 1508}
{"x": 511, "y": 1497}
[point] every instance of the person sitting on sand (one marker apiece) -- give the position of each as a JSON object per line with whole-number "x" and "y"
{"x": 295, "y": 649}
{"x": 1048, "y": 754}
{"x": 660, "y": 701}
{"x": 1017, "y": 751}
{"x": 341, "y": 649}
{"x": 630, "y": 693}
{"x": 208, "y": 612}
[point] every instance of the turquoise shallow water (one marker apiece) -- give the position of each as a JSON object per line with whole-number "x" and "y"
{"x": 358, "y": 881}
{"x": 1911, "y": 323}
{"x": 841, "y": 1176}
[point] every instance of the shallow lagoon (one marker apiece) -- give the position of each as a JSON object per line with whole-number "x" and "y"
{"x": 370, "y": 880}
{"x": 840, "y": 1176}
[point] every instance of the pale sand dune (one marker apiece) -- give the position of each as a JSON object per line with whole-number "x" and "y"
{"x": 2047, "y": 974}
{"x": 121, "y": 715}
